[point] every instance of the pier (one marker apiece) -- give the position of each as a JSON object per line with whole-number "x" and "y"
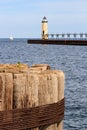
{"x": 66, "y": 36}
{"x": 76, "y": 39}
{"x": 75, "y": 42}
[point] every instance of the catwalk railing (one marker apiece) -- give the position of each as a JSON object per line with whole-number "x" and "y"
{"x": 66, "y": 35}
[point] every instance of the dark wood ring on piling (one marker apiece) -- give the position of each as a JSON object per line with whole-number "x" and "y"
{"x": 32, "y": 117}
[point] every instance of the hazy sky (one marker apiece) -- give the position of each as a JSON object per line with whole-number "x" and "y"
{"x": 22, "y": 18}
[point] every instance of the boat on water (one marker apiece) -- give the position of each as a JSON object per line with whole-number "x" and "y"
{"x": 11, "y": 38}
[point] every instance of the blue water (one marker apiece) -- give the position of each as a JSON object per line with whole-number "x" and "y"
{"x": 71, "y": 59}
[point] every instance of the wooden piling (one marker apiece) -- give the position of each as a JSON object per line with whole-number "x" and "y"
{"x": 19, "y": 95}
{"x": 6, "y": 91}
{"x": 34, "y": 86}
{"x": 51, "y": 90}
{"x": 38, "y": 68}
{"x": 14, "y": 68}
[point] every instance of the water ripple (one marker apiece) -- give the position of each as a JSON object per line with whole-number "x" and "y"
{"x": 72, "y": 60}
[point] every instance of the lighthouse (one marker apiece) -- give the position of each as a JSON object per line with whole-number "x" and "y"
{"x": 44, "y": 28}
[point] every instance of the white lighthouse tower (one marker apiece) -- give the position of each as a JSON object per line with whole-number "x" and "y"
{"x": 44, "y": 28}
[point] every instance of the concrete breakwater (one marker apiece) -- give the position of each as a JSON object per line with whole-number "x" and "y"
{"x": 22, "y": 86}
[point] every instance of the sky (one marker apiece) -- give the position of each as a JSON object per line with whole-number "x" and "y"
{"x": 22, "y": 18}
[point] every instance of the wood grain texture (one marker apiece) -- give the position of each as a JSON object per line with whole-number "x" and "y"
{"x": 6, "y": 91}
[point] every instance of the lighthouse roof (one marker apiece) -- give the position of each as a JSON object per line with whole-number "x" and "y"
{"x": 44, "y": 19}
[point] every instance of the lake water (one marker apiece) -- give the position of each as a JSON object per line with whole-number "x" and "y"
{"x": 71, "y": 59}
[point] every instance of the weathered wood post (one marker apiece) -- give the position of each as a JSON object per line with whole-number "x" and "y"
{"x": 13, "y": 79}
{"x": 50, "y": 84}
{"x": 33, "y": 85}
{"x": 6, "y": 91}
{"x": 24, "y": 87}
{"x": 51, "y": 90}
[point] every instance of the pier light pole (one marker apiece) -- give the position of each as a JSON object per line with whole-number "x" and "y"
{"x": 44, "y": 28}
{"x": 74, "y": 35}
{"x": 68, "y": 35}
{"x": 85, "y": 35}
{"x": 63, "y": 35}
{"x": 57, "y": 35}
{"x": 81, "y": 35}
